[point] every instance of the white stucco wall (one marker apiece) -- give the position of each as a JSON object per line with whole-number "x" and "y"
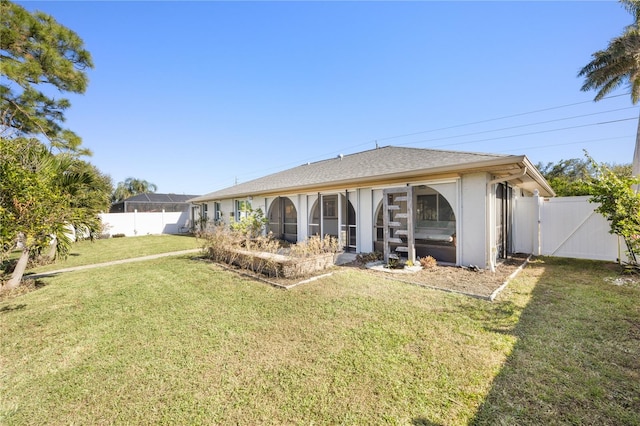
{"x": 473, "y": 223}
{"x": 227, "y": 210}
{"x": 303, "y": 219}
{"x": 365, "y": 216}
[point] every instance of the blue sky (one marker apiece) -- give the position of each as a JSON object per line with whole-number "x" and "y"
{"x": 194, "y": 96}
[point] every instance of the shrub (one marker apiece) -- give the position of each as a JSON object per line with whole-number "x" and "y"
{"x": 315, "y": 245}
{"x": 251, "y": 225}
{"x": 395, "y": 263}
{"x": 225, "y": 245}
{"x": 233, "y": 247}
{"x": 428, "y": 262}
{"x": 364, "y": 258}
{"x": 118, "y": 236}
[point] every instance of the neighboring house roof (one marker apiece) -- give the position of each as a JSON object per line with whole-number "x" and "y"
{"x": 379, "y": 164}
{"x": 160, "y": 198}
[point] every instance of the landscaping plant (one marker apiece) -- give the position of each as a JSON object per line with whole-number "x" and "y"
{"x": 620, "y": 205}
{"x": 428, "y": 262}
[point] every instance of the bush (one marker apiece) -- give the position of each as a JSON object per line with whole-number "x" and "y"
{"x": 225, "y": 246}
{"x": 230, "y": 246}
{"x": 118, "y": 236}
{"x": 395, "y": 263}
{"x": 364, "y": 258}
{"x": 315, "y": 245}
{"x": 428, "y": 262}
{"x": 251, "y": 225}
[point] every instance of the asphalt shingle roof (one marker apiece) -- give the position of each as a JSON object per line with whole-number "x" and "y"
{"x": 356, "y": 167}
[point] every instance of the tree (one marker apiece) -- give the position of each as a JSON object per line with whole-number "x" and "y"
{"x": 44, "y": 186}
{"x": 617, "y": 64}
{"x": 572, "y": 177}
{"x": 42, "y": 196}
{"x": 130, "y": 187}
{"x": 620, "y": 205}
{"x": 568, "y": 177}
{"x": 38, "y": 53}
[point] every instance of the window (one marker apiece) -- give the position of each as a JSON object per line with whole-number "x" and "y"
{"x": 290, "y": 219}
{"x": 243, "y": 207}
{"x": 433, "y": 207}
{"x": 329, "y": 208}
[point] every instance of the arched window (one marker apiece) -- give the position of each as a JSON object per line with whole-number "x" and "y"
{"x": 283, "y": 219}
{"x": 434, "y": 226}
{"x": 328, "y": 224}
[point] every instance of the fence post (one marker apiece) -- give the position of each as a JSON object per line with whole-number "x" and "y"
{"x": 538, "y": 225}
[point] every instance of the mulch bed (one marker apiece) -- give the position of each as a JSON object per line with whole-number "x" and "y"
{"x": 478, "y": 283}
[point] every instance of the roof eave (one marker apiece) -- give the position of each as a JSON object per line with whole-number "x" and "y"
{"x": 478, "y": 166}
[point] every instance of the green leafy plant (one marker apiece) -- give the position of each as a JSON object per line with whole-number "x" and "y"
{"x": 395, "y": 263}
{"x": 620, "y": 205}
{"x": 252, "y": 225}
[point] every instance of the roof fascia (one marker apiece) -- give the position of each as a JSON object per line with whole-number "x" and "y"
{"x": 443, "y": 172}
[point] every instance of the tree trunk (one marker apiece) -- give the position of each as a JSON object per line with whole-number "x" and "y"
{"x": 18, "y": 272}
{"x": 53, "y": 249}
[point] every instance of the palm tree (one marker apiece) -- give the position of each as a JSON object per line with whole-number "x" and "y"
{"x": 130, "y": 187}
{"x": 617, "y": 64}
{"x": 41, "y": 196}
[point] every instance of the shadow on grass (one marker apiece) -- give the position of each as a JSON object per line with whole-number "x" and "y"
{"x": 10, "y": 308}
{"x": 577, "y": 357}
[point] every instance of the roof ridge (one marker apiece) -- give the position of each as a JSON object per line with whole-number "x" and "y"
{"x": 453, "y": 151}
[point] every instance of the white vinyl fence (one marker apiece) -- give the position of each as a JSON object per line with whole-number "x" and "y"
{"x": 564, "y": 227}
{"x": 131, "y": 224}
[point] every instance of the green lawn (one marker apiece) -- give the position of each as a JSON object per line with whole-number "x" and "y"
{"x": 179, "y": 341}
{"x": 98, "y": 251}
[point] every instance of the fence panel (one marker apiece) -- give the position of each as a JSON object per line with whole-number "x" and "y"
{"x": 131, "y": 224}
{"x": 525, "y": 225}
{"x": 571, "y": 228}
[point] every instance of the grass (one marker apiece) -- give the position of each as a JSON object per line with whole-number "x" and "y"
{"x": 180, "y": 341}
{"x": 98, "y": 251}
{"x": 577, "y": 358}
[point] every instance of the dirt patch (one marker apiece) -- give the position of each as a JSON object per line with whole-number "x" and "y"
{"x": 27, "y": 286}
{"x": 474, "y": 282}
{"x": 470, "y": 281}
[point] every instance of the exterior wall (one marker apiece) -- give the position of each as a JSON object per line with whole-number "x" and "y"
{"x": 365, "y": 219}
{"x": 227, "y": 209}
{"x": 302, "y": 208}
{"x": 473, "y": 223}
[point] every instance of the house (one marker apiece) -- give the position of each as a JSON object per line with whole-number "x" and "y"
{"x": 410, "y": 202}
{"x": 152, "y": 202}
